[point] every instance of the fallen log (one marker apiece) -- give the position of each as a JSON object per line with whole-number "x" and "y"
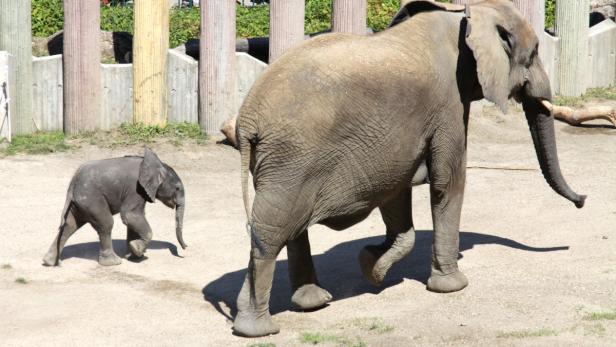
{"x": 577, "y": 116}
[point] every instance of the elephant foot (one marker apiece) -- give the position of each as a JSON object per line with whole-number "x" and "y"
{"x": 109, "y": 259}
{"x": 447, "y": 283}
{"x": 373, "y": 270}
{"x": 253, "y": 325}
{"x": 310, "y": 296}
{"x": 137, "y": 248}
{"x": 50, "y": 260}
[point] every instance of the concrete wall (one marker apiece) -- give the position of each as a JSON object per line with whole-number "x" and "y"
{"x": 117, "y": 89}
{"x": 5, "y": 125}
{"x": 47, "y": 98}
{"x": 601, "y": 63}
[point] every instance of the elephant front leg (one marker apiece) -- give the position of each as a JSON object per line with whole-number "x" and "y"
{"x": 307, "y": 294}
{"x": 253, "y": 317}
{"x": 448, "y": 175}
{"x": 139, "y": 233}
{"x": 376, "y": 260}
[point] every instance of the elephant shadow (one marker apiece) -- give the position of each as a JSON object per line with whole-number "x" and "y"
{"x": 90, "y": 250}
{"x": 338, "y": 271}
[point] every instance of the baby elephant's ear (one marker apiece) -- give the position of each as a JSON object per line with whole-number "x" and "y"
{"x": 151, "y": 174}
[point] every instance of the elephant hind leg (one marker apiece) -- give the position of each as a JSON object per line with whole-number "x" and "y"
{"x": 70, "y": 224}
{"x": 307, "y": 294}
{"x": 376, "y": 260}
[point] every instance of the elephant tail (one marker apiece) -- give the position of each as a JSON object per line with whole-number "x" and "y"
{"x": 65, "y": 211}
{"x": 245, "y": 147}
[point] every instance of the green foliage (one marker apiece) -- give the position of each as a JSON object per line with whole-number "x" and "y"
{"x": 21, "y": 280}
{"x": 184, "y": 24}
{"x": 550, "y": 10}
{"x": 252, "y": 21}
{"x": 608, "y": 315}
{"x": 318, "y": 15}
{"x": 47, "y": 17}
{"x": 117, "y": 18}
{"x": 374, "y": 325}
{"x": 37, "y": 143}
{"x": 380, "y": 13}
{"x": 527, "y": 333}
{"x": 262, "y": 344}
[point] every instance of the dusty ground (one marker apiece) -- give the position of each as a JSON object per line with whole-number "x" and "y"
{"x": 538, "y": 267}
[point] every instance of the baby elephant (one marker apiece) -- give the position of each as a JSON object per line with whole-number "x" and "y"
{"x": 102, "y": 188}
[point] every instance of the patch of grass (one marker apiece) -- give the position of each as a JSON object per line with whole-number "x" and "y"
{"x": 606, "y": 315}
{"x": 608, "y": 93}
{"x": 6, "y": 266}
{"x": 37, "y": 143}
{"x": 527, "y": 333}
{"x": 594, "y": 329}
{"x": 373, "y": 325}
{"x": 140, "y": 133}
{"x": 262, "y": 344}
{"x": 317, "y": 338}
{"x": 21, "y": 280}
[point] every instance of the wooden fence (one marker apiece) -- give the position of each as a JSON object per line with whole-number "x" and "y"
{"x": 209, "y": 92}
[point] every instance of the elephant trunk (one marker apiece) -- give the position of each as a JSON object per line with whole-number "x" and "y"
{"x": 541, "y": 124}
{"x": 179, "y": 222}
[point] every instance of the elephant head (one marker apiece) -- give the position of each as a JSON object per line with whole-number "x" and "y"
{"x": 160, "y": 181}
{"x": 503, "y": 50}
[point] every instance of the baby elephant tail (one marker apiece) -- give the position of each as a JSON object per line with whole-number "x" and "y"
{"x": 65, "y": 211}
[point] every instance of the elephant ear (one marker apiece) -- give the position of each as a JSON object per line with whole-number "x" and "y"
{"x": 414, "y": 7}
{"x": 490, "y": 43}
{"x": 151, "y": 174}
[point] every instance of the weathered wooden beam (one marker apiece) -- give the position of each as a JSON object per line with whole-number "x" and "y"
{"x": 217, "y": 72}
{"x": 150, "y": 45}
{"x": 16, "y": 39}
{"x": 286, "y": 26}
{"x": 349, "y": 16}
{"x": 81, "y": 63}
{"x": 534, "y": 12}
{"x": 572, "y": 19}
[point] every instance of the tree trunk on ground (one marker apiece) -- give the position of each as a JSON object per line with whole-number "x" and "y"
{"x": 150, "y": 45}
{"x": 81, "y": 64}
{"x": 16, "y": 38}
{"x": 576, "y": 117}
{"x": 217, "y": 71}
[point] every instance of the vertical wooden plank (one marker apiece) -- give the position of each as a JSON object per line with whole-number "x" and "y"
{"x": 5, "y": 119}
{"x": 81, "y": 56}
{"x": 461, "y": 2}
{"x": 349, "y": 16}
{"x": 47, "y": 93}
{"x": 217, "y": 91}
{"x": 150, "y": 45}
{"x": 286, "y": 26}
{"x": 16, "y": 39}
{"x": 534, "y": 12}
{"x": 572, "y": 19}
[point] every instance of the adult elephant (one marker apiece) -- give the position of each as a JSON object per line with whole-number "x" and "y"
{"x": 339, "y": 125}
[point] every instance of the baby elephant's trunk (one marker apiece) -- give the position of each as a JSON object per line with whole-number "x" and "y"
{"x": 179, "y": 221}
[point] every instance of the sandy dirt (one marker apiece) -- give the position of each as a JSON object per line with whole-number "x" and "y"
{"x": 538, "y": 267}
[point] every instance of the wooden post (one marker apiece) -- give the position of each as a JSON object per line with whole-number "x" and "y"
{"x": 534, "y": 12}
{"x": 217, "y": 72}
{"x": 16, "y": 39}
{"x": 150, "y": 46}
{"x": 572, "y": 19}
{"x": 81, "y": 64}
{"x": 349, "y": 16}
{"x": 286, "y": 26}
{"x": 461, "y": 2}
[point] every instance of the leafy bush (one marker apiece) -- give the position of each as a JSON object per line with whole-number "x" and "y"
{"x": 117, "y": 18}
{"x": 47, "y": 17}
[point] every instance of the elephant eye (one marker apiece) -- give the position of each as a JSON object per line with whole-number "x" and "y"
{"x": 506, "y": 39}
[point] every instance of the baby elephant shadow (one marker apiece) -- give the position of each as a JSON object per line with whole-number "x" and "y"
{"x": 90, "y": 250}
{"x": 338, "y": 271}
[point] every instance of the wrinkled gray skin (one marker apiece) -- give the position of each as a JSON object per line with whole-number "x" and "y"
{"x": 345, "y": 122}
{"x": 102, "y": 188}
